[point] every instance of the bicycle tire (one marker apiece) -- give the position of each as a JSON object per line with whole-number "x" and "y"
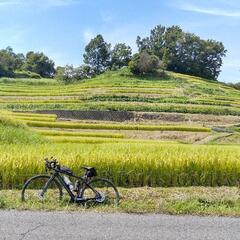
{"x": 101, "y": 183}
{"x": 33, "y": 187}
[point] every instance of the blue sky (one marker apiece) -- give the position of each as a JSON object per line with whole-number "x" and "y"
{"x": 61, "y": 28}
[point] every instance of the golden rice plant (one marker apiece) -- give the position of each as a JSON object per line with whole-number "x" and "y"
{"x": 72, "y": 125}
{"x": 79, "y": 134}
{"x": 128, "y": 164}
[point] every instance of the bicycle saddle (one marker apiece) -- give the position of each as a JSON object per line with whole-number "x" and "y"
{"x": 90, "y": 171}
{"x": 87, "y": 168}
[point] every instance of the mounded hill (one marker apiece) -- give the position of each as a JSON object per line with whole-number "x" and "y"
{"x": 121, "y": 90}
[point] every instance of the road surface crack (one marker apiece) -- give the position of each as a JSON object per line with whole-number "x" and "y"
{"x": 23, "y": 235}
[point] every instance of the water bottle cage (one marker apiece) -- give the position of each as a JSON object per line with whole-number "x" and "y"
{"x": 68, "y": 182}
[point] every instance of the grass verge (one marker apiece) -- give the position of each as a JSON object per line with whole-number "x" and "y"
{"x": 220, "y": 201}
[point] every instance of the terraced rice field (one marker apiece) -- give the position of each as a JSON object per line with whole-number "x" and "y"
{"x": 131, "y": 153}
{"x": 122, "y": 91}
{"x": 82, "y": 132}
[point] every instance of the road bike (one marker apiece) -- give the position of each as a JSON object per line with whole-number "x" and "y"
{"x": 86, "y": 189}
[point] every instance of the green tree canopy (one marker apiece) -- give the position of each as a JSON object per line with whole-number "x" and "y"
{"x": 97, "y": 54}
{"x": 143, "y": 62}
{"x": 155, "y": 43}
{"x": 7, "y": 64}
{"x": 184, "y": 52}
{"x": 39, "y": 63}
{"x": 121, "y": 55}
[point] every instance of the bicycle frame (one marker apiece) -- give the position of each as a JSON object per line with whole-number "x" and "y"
{"x": 57, "y": 174}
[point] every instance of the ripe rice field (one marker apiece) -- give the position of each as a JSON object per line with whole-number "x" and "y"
{"x": 128, "y": 164}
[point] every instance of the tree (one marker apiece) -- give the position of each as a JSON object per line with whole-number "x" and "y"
{"x": 7, "y": 63}
{"x": 235, "y": 85}
{"x": 39, "y": 63}
{"x": 97, "y": 54}
{"x": 121, "y": 55}
{"x": 59, "y": 73}
{"x": 155, "y": 43}
{"x": 144, "y": 62}
{"x": 69, "y": 74}
{"x": 17, "y": 59}
{"x": 174, "y": 38}
{"x": 84, "y": 72}
{"x": 192, "y": 55}
{"x": 211, "y": 58}
{"x": 184, "y": 52}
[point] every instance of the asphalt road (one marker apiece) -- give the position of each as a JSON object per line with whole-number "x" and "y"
{"x": 88, "y": 226}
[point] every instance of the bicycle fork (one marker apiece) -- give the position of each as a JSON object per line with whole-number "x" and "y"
{"x": 44, "y": 190}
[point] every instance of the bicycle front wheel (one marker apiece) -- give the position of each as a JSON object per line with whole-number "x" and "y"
{"x": 41, "y": 188}
{"x": 100, "y": 191}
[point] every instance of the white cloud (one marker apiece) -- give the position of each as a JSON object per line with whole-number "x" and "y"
{"x": 42, "y": 3}
{"x": 4, "y": 3}
{"x": 59, "y": 3}
{"x": 211, "y": 11}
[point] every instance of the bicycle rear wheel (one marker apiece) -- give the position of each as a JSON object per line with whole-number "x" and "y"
{"x": 40, "y": 189}
{"x": 100, "y": 191}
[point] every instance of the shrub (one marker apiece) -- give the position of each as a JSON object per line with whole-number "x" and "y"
{"x": 69, "y": 74}
{"x": 144, "y": 63}
{"x": 83, "y": 72}
{"x": 65, "y": 74}
{"x": 235, "y": 85}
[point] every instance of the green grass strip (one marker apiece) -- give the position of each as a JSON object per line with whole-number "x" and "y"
{"x": 94, "y": 140}
{"x": 35, "y": 119}
{"x": 78, "y": 134}
{"x": 117, "y": 126}
{"x": 27, "y": 114}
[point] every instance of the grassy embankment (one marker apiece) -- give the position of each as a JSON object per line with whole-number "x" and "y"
{"x": 221, "y": 201}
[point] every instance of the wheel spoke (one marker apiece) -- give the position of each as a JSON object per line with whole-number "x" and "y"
{"x": 37, "y": 190}
{"x": 106, "y": 192}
